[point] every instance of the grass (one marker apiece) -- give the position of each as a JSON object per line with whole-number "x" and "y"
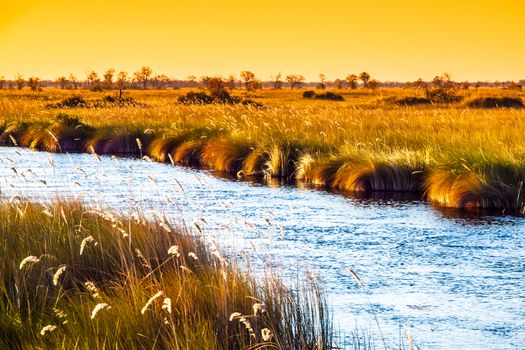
{"x": 78, "y": 278}
{"x": 368, "y": 142}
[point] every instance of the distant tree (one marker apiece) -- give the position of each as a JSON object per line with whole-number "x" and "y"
{"x": 322, "y": 80}
{"x": 19, "y": 81}
{"x": 62, "y": 82}
{"x": 296, "y": 81}
{"x": 160, "y": 81}
{"x": 373, "y": 84}
{"x": 465, "y": 85}
{"x": 443, "y": 89}
{"x": 365, "y": 78}
{"x": 217, "y": 89}
{"x": 205, "y": 81}
{"x": 74, "y": 81}
{"x": 192, "y": 79}
{"x": 230, "y": 82}
{"x": 122, "y": 80}
{"x": 338, "y": 84}
{"x": 277, "y": 82}
{"x": 93, "y": 81}
{"x": 420, "y": 84}
{"x": 351, "y": 81}
{"x": 2, "y": 82}
{"x": 444, "y": 81}
{"x": 255, "y": 85}
{"x": 108, "y": 79}
{"x": 34, "y": 84}
{"x": 514, "y": 86}
{"x": 142, "y": 76}
{"x": 247, "y": 77}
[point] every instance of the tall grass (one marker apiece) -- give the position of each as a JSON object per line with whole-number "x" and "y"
{"x": 87, "y": 279}
{"x": 364, "y": 143}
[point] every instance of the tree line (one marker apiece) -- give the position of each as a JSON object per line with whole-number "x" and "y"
{"x": 144, "y": 79}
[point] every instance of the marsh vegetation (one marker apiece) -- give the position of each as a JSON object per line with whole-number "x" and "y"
{"x": 78, "y": 277}
{"x": 455, "y": 151}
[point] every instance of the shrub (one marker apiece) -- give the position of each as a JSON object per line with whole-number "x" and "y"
{"x": 329, "y": 96}
{"x": 309, "y": 94}
{"x": 325, "y": 96}
{"x": 70, "y": 102}
{"x": 412, "y": 100}
{"x": 196, "y": 98}
{"x": 217, "y": 96}
{"x": 442, "y": 95}
{"x": 110, "y": 101}
{"x": 496, "y": 102}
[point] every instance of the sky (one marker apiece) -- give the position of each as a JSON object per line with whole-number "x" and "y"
{"x": 393, "y": 40}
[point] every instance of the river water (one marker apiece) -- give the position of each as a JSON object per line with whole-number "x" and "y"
{"x": 449, "y": 281}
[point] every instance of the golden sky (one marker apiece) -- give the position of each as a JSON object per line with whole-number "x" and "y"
{"x": 390, "y": 39}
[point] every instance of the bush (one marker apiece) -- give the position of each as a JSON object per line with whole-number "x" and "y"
{"x": 412, "y": 100}
{"x": 309, "y": 94}
{"x": 441, "y": 95}
{"x": 217, "y": 96}
{"x": 329, "y": 96}
{"x": 70, "y": 102}
{"x": 496, "y": 102}
{"x": 110, "y": 101}
{"x": 325, "y": 96}
{"x": 196, "y": 98}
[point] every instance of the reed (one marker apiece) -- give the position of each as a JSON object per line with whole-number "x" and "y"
{"x": 82, "y": 278}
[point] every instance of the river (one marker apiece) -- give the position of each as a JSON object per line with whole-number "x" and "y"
{"x": 450, "y": 281}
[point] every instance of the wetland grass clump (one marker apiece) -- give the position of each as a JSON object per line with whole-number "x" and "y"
{"x": 318, "y": 171}
{"x": 224, "y": 154}
{"x": 382, "y": 176}
{"x": 119, "y": 141}
{"x": 282, "y": 160}
{"x": 82, "y": 278}
{"x": 189, "y": 153}
{"x": 62, "y": 133}
{"x": 491, "y": 187}
{"x": 254, "y": 163}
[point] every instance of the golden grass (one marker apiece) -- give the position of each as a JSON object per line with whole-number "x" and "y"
{"x": 354, "y": 177}
{"x": 79, "y": 278}
{"x": 189, "y": 153}
{"x": 384, "y": 146}
{"x": 224, "y": 154}
{"x": 466, "y": 189}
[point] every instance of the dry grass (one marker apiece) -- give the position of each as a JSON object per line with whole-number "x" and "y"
{"x": 87, "y": 279}
{"x": 386, "y": 146}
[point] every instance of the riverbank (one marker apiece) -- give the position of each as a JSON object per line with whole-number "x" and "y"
{"x": 450, "y": 154}
{"x": 82, "y": 278}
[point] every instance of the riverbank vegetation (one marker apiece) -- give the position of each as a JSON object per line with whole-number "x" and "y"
{"x": 81, "y": 278}
{"x": 459, "y": 148}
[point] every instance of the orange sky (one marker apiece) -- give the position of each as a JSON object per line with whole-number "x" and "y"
{"x": 391, "y": 39}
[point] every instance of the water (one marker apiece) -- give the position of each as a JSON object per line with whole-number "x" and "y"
{"x": 451, "y": 282}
